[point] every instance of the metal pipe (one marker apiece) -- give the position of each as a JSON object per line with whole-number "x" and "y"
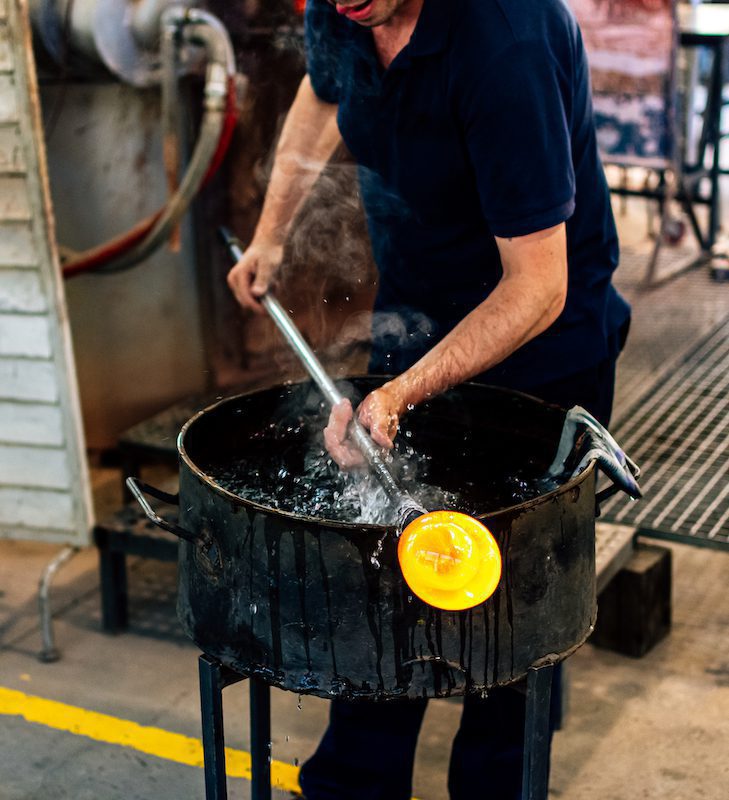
{"x": 49, "y": 652}
{"x": 128, "y": 250}
{"x": 222, "y": 46}
{"x": 219, "y": 73}
{"x": 407, "y": 507}
{"x": 170, "y": 102}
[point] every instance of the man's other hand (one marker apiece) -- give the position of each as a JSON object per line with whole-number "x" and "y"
{"x": 335, "y": 437}
{"x": 254, "y": 274}
{"x": 379, "y": 413}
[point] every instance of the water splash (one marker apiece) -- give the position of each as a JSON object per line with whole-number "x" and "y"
{"x": 285, "y": 467}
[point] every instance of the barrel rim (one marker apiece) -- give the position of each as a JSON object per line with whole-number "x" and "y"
{"x": 300, "y": 519}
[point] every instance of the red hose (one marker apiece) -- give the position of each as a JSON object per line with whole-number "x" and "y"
{"x": 226, "y": 134}
{"x": 92, "y": 259}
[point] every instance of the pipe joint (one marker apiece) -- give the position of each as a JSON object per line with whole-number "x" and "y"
{"x": 216, "y": 87}
{"x": 217, "y": 39}
{"x": 174, "y": 18}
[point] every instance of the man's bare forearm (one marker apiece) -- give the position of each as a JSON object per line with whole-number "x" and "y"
{"x": 528, "y": 299}
{"x": 309, "y": 138}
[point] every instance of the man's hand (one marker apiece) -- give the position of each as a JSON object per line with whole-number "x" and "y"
{"x": 254, "y": 274}
{"x": 379, "y": 413}
{"x": 335, "y": 437}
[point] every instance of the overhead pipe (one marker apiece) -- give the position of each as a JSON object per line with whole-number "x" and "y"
{"x": 120, "y": 35}
{"x": 193, "y": 27}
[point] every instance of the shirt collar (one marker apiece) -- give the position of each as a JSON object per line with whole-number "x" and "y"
{"x": 429, "y": 37}
{"x": 431, "y": 32}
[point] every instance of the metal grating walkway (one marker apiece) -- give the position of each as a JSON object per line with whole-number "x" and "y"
{"x": 678, "y": 432}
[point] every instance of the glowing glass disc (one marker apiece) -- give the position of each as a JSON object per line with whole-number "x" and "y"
{"x": 449, "y": 560}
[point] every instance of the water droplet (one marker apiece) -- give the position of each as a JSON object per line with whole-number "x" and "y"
{"x": 411, "y": 406}
{"x": 253, "y": 608}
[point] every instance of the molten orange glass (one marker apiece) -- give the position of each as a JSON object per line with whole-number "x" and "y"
{"x": 449, "y": 560}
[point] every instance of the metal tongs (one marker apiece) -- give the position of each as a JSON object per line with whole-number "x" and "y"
{"x": 585, "y": 440}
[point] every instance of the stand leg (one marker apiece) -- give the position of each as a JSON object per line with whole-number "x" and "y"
{"x": 211, "y": 702}
{"x": 214, "y": 677}
{"x": 536, "y": 734}
{"x": 260, "y": 740}
{"x": 113, "y": 574}
{"x": 714, "y": 119}
{"x": 49, "y": 652}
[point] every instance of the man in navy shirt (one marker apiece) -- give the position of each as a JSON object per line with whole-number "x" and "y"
{"x": 490, "y": 222}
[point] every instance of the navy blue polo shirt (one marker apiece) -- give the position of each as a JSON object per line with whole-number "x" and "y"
{"x": 482, "y": 126}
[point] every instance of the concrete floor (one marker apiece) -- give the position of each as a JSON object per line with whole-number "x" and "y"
{"x": 651, "y": 728}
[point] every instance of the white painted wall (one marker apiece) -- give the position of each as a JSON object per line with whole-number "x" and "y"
{"x": 44, "y": 482}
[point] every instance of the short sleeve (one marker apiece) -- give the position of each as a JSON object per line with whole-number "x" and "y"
{"x": 324, "y": 35}
{"x": 515, "y": 110}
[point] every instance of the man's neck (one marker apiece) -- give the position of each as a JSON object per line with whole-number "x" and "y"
{"x": 392, "y": 36}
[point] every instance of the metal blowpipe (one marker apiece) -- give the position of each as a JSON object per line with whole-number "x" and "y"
{"x": 406, "y": 505}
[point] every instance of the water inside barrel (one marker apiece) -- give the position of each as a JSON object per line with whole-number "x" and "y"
{"x": 284, "y": 466}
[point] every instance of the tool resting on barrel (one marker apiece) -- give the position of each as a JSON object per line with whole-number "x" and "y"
{"x": 447, "y": 558}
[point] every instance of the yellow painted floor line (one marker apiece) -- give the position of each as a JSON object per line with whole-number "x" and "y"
{"x": 143, "y": 738}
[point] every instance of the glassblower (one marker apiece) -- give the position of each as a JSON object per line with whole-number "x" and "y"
{"x": 449, "y": 559}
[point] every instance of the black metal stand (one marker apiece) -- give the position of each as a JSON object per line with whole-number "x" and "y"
{"x": 535, "y": 774}
{"x": 710, "y": 139}
{"x": 127, "y": 533}
{"x": 214, "y": 677}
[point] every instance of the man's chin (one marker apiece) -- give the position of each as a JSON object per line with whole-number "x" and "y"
{"x": 366, "y": 16}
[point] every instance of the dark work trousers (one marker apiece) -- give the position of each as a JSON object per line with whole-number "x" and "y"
{"x": 368, "y": 750}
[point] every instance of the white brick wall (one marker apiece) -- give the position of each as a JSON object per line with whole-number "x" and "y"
{"x": 31, "y": 423}
{"x": 28, "y": 336}
{"x": 8, "y": 100}
{"x": 12, "y": 157}
{"x": 6, "y": 51}
{"x": 34, "y": 467}
{"x": 21, "y": 291}
{"x": 16, "y": 246}
{"x": 28, "y": 380}
{"x": 14, "y": 199}
{"x": 29, "y": 508}
{"x": 44, "y": 487}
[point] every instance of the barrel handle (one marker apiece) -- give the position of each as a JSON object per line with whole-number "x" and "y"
{"x": 623, "y": 477}
{"x": 139, "y": 489}
{"x": 603, "y": 450}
